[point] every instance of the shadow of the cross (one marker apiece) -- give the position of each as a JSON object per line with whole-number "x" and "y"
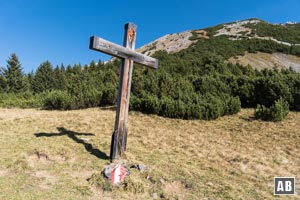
{"x": 73, "y": 135}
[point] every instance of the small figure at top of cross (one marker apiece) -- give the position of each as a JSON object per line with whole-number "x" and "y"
{"x": 131, "y": 34}
{"x": 128, "y": 56}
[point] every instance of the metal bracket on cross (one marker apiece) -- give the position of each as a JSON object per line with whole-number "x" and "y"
{"x": 128, "y": 56}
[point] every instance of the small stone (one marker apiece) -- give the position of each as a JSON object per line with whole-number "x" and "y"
{"x": 107, "y": 171}
{"x": 139, "y": 167}
{"x": 154, "y": 196}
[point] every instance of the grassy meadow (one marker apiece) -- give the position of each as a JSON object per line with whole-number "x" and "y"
{"x": 60, "y": 155}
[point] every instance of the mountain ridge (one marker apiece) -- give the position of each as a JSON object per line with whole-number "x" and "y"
{"x": 248, "y": 29}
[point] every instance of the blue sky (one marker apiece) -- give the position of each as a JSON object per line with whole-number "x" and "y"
{"x": 59, "y": 30}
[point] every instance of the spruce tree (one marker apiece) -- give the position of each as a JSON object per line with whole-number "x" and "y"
{"x": 30, "y": 80}
{"x": 14, "y": 75}
{"x": 59, "y": 78}
{"x": 2, "y": 82}
{"x": 43, "y": 79}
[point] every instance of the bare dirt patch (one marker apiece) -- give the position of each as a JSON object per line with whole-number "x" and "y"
{"x": 38, "y": 158}
{"x": 174, "y": 190}
{"x": 4, "y": 172}
{"x": 45, "y": 179}
{"x": 202, "y": 33}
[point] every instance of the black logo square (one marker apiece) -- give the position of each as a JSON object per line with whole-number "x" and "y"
{"x": 284, "y": 185}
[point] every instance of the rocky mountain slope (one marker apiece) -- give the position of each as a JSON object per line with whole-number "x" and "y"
{"x": 285, "y": 35}
{"x": 172, "y": 43}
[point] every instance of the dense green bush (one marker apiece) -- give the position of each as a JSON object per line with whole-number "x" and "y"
{"x": 244, "y": 88}
{"x": 58, "y": 99}
{"x": 109, "y": 96}
{"x": 21, "y": 100}
{"x": 92, "y": 97}
{"x": 293, "y": 82}
{"x": 233, "y": 105}
{"x": 210, "y": 84}
{"x": 277, "y": 112}
{"x": 270, "y": 88}
{"x": 167, "y": 107}
{"x": 150, "y": 104}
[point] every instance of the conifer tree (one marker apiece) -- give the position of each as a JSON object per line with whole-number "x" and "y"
{"x": 59, "y": 78}
{"x": 15, "y": 80}
{"x": 2, "y": 82}
{"x": 30, "y": 80}
{"x": 43, "y": 79}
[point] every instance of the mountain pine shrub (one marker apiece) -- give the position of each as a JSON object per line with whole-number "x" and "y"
{"x": 233, "y": 105}
{"x": 277, "y": 112}
{"x": 150, "y": 104}
{"x": 57, "y": 99}
{"x": 21, "y": 100}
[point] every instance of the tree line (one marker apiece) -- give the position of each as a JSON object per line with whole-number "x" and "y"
{"x": 185, "y": 86}
{"x": 70, "y": 87}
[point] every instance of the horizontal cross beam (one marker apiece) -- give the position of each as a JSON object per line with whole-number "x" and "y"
{"x": 104, "y": 46}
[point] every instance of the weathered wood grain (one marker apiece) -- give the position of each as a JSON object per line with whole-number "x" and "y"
{"x": 128, "y": 56}
{"x": 104, "y": 46}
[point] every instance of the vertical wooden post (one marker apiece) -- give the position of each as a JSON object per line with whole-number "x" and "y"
{"x": 128, "y": 56}
{"x": 119, "y": 137}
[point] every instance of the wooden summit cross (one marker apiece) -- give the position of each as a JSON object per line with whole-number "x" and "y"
{"x": 128, "y": 55}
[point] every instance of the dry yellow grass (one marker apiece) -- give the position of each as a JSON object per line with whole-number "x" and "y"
{"x": 60, "y": 154}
